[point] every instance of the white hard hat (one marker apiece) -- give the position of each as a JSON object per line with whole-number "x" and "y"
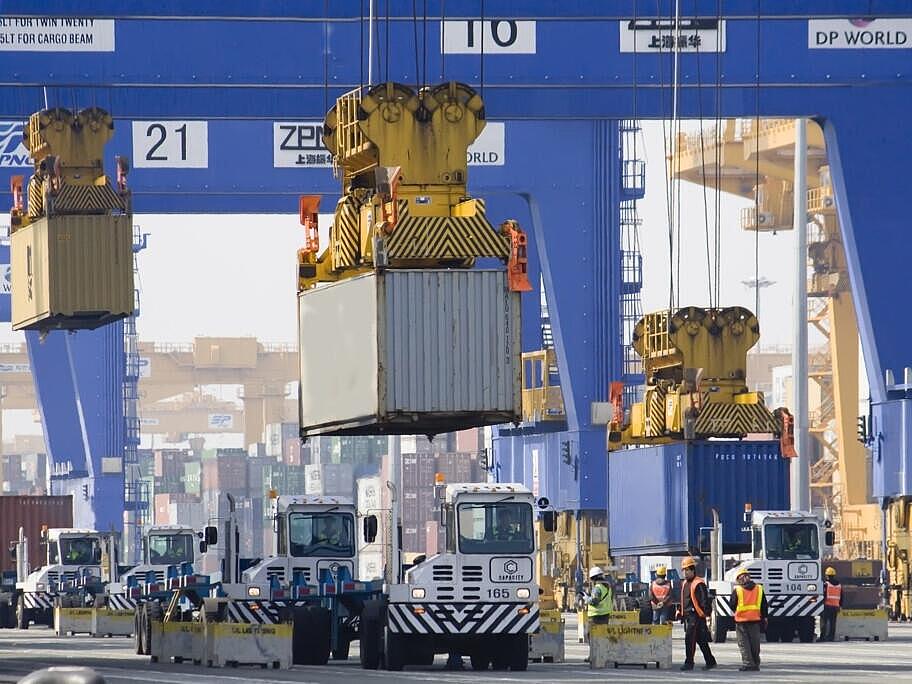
{"x": 595, "y": 571}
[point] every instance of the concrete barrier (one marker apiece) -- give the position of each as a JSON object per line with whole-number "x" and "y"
{"x": 229, "y": 643}
{"x": 624, "y": 617}
{"x": 177, "y": 642}
{"x": 72, "y": 621}
{"x": 547, "y": 644}
{"x": 870, "y": 625}
{"x": 623, "y": 644}
{"x": 111, "y": 622}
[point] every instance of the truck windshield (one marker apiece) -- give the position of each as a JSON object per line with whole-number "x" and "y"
{"x": 170, "y": 549}
{"x": 495, "y": 527}
{"x": 791, "y": 541}
{"x": 321, "y": 534}
{"x": 80, "y": 551}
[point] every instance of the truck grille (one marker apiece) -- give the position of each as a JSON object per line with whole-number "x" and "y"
{"x": 305, "y": 573}
{"x": 472, "y": 574}
{"x": 442, "y": 573}
{"x": 774, "y": 574}
{"x": 275, "y": 573}
{"x": 756, "y": 574}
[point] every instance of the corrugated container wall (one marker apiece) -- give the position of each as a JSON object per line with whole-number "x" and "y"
{"x": 31, "y": 512}
{"x": 660, "y": 497}
{"x": 73, "y": 271}
{"x": 409, "y": 352}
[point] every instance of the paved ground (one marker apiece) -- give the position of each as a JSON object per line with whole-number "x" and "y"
{"x": 22, "y": 652}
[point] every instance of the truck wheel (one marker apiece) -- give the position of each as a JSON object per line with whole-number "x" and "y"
{"x": 480, "y": 661}
{"x": 341, "y": 651}
{"x": 6, "y": 619}
{"x": 22, "y": 614}
{"x": 806, "y": 630}
{"x": 139, "y": 631}
{"x": 519, "y": 653}
{"x": 300, "y": 636}
{"x": 394, "y": 653}
{"x": 369, "y": 642}
{"x": 321, "y": 637}
{"x": 719, "y": 628}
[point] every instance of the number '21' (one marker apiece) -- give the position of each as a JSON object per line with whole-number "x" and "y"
{"x": 163, "y": 134}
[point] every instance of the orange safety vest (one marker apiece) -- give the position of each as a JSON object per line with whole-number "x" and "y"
{"x": 833, "y": 595}
{"x": 749, "y": 601}
{"x": 698, "y": 609}
{"x": 661, "y": 591}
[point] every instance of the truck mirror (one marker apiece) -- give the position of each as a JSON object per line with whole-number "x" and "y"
{"x": 549, "y": 521}
{"x": 211, "y": 537}
{"x": 370, "y": 528}
{"x": 829, "y": 538}
{"x": 12, "y": 551}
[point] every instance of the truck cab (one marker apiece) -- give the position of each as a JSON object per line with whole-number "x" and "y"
{"x": 786, "y": 550}
{"x": 315, "y": 544}
{"x": 164, "y": 547}
{"x": 74, "y": 558}
{"x": 478, "y": 597}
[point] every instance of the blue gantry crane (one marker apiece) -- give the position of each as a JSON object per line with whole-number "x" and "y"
{"x": 211, "y": 130}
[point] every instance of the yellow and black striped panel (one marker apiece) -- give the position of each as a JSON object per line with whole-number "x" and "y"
{"x": 734, "y": 420}
{"x": 35, "y": 197}
{"x": 655, "y": 411}
{"x": 346, "y": 235}
{"x": 444, "y": 237}
{"x": 75, "y": 199}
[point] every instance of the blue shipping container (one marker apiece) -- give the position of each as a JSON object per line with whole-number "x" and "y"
{"x": 660, "y": 497}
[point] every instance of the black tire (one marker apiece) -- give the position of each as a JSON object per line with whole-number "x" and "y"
{"x": 22, "y": 614}
{"x": 138, "y": 631}
{"x": 519, "y": 653}
{"x": 321, "y": 636}
{"x": 342, "y": 650}
{"x": 6, "y": 611}
{"x": 394, "y": 653}
{"x": 300, "y": 636}
{"x": 806, "y": 630}
{"x": 369, "y": 644}
{"x": 719, "y": 628}
{"x": 153, "y": 613}
{"x": 480, "y": 661}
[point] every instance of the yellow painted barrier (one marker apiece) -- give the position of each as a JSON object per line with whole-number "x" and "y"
{"x": 547, "y": 644}
{"x": 68, "y": 621}
{"x": 110, "y": 622}
{"x": 624, "y": 617}
{"x": 623, "y": 644}
{"x": 177, "y": 641}
{"x": 870, "y": 625}
{"x": 229, "y": 643}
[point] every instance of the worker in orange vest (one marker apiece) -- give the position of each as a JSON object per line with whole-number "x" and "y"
{"x": 748, "y": 603}
{"x": 659, "y": 595}
{"x": 832, "y": 603}
{"x": 695, "y": 606}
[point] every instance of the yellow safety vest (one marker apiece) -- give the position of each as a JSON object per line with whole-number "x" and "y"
{"x": 749, "y": 600}
{"x": 604, "y": 601}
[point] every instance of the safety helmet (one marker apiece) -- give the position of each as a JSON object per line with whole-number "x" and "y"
{"x": 595, "y": 571}
{"x": 689, "y": 562}
{"x": 831, "y": 571}
{"x": 742, "y": 571}
{"x": 661, "y": 571}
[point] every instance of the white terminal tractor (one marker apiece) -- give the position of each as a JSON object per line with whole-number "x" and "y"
{"x": 478, "y": 598}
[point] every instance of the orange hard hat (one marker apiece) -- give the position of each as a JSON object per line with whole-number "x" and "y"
{"x": 689, "y": 562}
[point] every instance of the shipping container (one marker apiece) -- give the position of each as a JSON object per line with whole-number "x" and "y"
{"x": 412, "y": 541}
{"x": 433, "y": 542}
{"x": 292, "y": 454}
{"x": 72, "y": 272}
{"x": 31, "y": 513}
{"x": 458, "y": 368}
{"x": 372, "y": 495}
{"x": 661, "y": 497}
{"x": 330, "y": 479}
{"x": 468, "y": 440}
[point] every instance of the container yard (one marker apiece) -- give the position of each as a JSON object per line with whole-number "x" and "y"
{"x": 578, "y": 344}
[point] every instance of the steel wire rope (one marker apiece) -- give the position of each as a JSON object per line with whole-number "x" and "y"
{"x": 361, "y": 49}
{"x": 326, "y": 55}
{"x": 718, "y": 159}
{"x": 481, "y": 79}
{"x": 757, "y": 175}
{"x": 709, "y": 274}
{"x": 443, "y": 24}
{"x": 415, "y": 37}
{"x": 387, "y": 56}
{"x": 667, "y": 170}
{"x": 424, "y": 45}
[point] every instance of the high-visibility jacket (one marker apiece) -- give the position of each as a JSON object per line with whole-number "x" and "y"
{"x": 602, "y": 601}
{"x": 749, "y": 601}
{"x": 661, "y": 591}
{"x": 694, "y": 583}
{"x": 833, "y": 596}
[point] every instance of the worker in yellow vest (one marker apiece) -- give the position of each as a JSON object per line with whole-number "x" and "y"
{"x": 659, "y": 596}
{"x": 600, "y": 599}
{"x": 748, "y": 603}
{"x": 695, "y": 606}
{"x": 832, "y": 604}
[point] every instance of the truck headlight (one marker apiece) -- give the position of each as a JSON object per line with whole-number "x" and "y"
{"x": 522, "y": 593}
{"x": 418, "y": 593}
{"x": 812, "y": 587}
{"x": 253, "y": 591}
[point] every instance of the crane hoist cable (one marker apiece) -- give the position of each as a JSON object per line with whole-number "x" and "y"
{"x": 757, "y": 174}
{"x": 709, "y": 282}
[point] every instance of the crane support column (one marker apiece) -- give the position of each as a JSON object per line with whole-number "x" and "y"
{"x": 800, "y": 482}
